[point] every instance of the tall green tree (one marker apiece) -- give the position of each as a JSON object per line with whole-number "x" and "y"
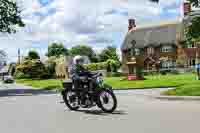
{"x": 84, "y": 50}
{"x": 9, "y": 16}
{"x": 193, "y": 30}
{"x": 154, "y": 1}
{"x": 57, "y": 49}
{"x": 108, "y": 53}
{"x": 194, "y": 3}
{"x": 3, "y": 57}
{"x": 33, "y": 55}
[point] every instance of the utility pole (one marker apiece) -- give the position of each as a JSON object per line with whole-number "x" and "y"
{"x": 19, "y": 56}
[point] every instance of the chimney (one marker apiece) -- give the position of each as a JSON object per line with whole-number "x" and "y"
{"x": 187, "y": 8}
{"x": 131, "y": 24}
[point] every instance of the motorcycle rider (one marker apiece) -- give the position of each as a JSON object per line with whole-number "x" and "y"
{"x": 77, "y": 70}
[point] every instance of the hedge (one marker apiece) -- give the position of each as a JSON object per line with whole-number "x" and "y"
{"x": 32, "y": 69}
{"x": 109, "y": 65}
{"x": 96, "y": 66}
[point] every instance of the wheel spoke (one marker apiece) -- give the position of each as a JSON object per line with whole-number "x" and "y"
{"x": 74, "y": 103}
{"x": 109, "y": 105}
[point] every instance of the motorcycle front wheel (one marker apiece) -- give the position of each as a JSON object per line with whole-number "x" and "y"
{"x": 107, "y": 101}
{"x": 71, "y": 99}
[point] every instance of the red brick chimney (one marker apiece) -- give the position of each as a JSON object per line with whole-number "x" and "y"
{"x": 187, "y": 8}
{"x": 131, "y": 24}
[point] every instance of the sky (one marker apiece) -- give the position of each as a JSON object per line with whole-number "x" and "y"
{"x": 97, "y": 23}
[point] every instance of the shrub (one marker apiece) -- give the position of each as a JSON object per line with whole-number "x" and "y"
{"x": 109, "y": 65}
{"x": 96, "y": 66}
{"x": 32, "y": 69}
{"x": 21, "y": 75}
{"x": 112, "y": 65}
{"x": 139, "y": 73}
{"x": 51, "y": 66}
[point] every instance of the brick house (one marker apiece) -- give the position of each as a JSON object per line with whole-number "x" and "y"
{"x": 152, "y": 48}
{"x": 158, "y": 47}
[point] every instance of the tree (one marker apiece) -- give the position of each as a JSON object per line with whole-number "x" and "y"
{"x": 9, "y": 16}
{"x": 32, "y": 69}
{"x": 51, "y": 65}
{"x": 112, "y": 65}
{"x": 57, "y": 49}
{"x": 3, "y": 57}
{"x": 154, "y": 1}
{"x": 194, "y": 3}
{"x": 193, "y": 29}
{"x": 84, "y": 50}
{"x": 108, "y": 53}
{"x": 33, "y": 55}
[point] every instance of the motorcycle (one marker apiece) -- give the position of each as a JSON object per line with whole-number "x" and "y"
{"x": 92, "y": 92}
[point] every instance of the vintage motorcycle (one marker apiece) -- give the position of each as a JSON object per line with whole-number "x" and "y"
{"x": 93, "y": 92}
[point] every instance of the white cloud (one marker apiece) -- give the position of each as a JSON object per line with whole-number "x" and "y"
{"x": 76, "y": 22}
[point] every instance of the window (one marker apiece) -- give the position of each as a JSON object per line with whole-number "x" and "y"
{"x": 137, "y": 51}
{"x": 129, "y": 52}
{"x": 166, "y": 49}
{"x": 150, "y": 50}
{"x": 168, "y": 64}
{"x": 132, "y": 52}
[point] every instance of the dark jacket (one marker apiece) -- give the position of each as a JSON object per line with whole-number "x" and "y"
{"x": 77, "y": 71}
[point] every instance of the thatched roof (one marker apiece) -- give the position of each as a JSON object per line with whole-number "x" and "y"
{"x": 155, "y": 35}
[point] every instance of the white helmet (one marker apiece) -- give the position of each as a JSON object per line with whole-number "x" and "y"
{"x": 78, "y": 60}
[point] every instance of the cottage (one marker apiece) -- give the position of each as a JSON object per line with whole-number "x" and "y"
{"x": 152, "y": 48}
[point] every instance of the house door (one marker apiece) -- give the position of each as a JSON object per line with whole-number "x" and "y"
{"x": 193, "y": 62}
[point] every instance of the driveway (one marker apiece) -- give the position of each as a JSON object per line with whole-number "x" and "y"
{"x": 24, "y": 110}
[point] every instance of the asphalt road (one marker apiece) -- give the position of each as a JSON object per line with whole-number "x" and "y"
{"x": 23, "y": 110}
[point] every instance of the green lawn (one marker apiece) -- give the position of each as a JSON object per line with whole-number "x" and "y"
{"x": 50, "y": 84}
{"x": 153, "y": 81}
{"x": 185, "y": 84}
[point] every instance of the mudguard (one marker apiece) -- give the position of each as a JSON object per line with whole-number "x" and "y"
{"x": 67, "y": 84}
{"x": 107, "y": 87}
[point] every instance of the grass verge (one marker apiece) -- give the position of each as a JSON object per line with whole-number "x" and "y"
{"x": 185, "y": 84}
{"x": 50, "y": 84}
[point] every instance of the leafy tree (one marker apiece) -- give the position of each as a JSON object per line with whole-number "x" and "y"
{"x": 194, "y": 3}
{"x": 193, "y": 30}
{"x": 33, "y": 55}
{"x": 9, "y": 16}
{"x": 108, "y": 53}
{"x": 112, "y": 65}
{"x": 51, "y": 65}
{"x": 57, "y": 49}
{"x": 3, "y": 57}
{"x": 154, "y": 1}
{"x": 33, "y": 69}
{"x": 84, "y": 50}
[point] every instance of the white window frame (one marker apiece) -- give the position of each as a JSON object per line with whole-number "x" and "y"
{"x": 137, "y": 51}
{"x": 167, "y": 64}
